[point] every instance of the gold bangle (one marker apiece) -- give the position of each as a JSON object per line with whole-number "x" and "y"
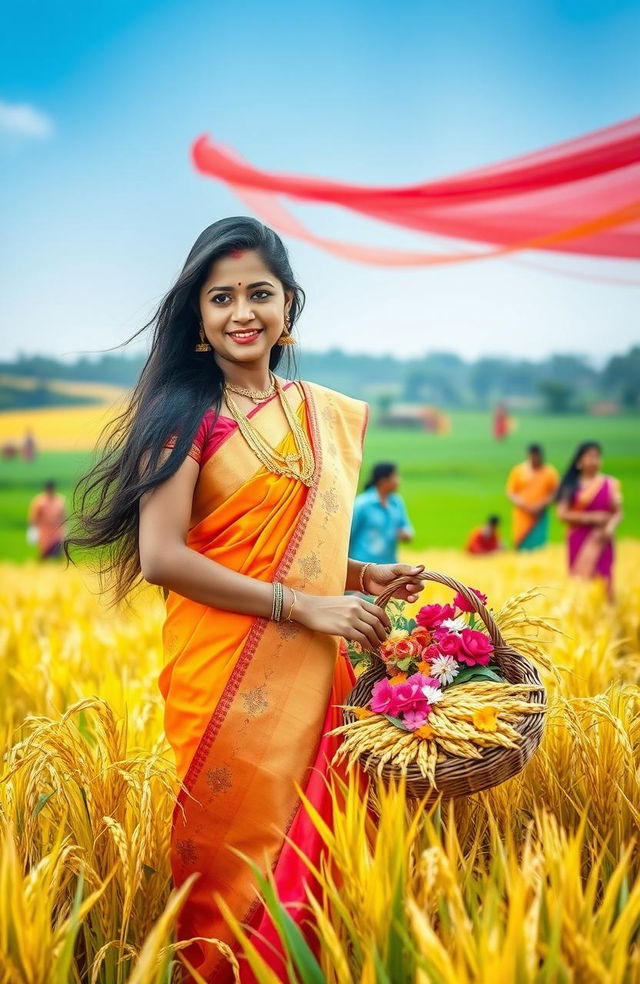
{"x": 362, "y": 572}
{"x": 293, "y": 601}
{"x": 276, "y": 607}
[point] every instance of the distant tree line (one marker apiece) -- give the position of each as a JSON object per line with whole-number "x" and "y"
{"x": 559, "y": 383}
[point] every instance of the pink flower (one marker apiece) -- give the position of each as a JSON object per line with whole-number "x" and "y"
{"x": 413, "y": 720}
{"x": 428, "y": 681}
{"x": 430, "y": 653}
{"x": 430, "y": 616}
{"x": 450, "y": 644}
{"x": 463, "y": 605}
{"x": 409, "y": 696}
{"x": 384, "y": 697}
{"x": 475, "y": 648}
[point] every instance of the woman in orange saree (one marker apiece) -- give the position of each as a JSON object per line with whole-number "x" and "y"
{"x": 248, "y": 700}
{"x": 233, "y": 490}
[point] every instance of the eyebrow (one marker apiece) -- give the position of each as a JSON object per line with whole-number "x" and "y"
{"x": 258, "y": 283}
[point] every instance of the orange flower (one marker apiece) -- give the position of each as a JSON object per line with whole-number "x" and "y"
{"x": 398, "y": 678}
{"x": 388, "y": 647}
{"x": 362, "y": 712}
{"x": 426, "y": 731}
{"x": 422, "y": 636}
{"x": 406, "y": 649}
{"x": 486, "y": 719}
{"x": 424, "y": 667}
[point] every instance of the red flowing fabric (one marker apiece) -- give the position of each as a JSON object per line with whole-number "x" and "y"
{"x": 581, "y": 197}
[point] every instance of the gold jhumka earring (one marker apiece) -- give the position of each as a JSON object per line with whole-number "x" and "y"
{"x": 203, "y": 345}
{"x": 286, "y": 338}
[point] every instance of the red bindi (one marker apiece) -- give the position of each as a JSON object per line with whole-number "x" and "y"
{"x": 237, "y": 253}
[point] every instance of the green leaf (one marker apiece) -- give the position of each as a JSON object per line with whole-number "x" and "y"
{"x": 43, "y": 799}
{"x": 411, "y": 624}
{"x": 404, "y": 664}
{"x": 63, "y": 964}
{"x": 397, "y": 721}
{"x": 381, "y": 975}
{"x": 84, "y": 729}
{"x": 292, "y": 939}
{"x": 394, "y": 945}
{"x": 470, "y": 673}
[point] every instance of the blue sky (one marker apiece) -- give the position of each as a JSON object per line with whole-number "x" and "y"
{"x": 99, "y": 104}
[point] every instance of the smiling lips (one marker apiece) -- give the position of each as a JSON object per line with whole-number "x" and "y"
{"x": 245, "y": 336}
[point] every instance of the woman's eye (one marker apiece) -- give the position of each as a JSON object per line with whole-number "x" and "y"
{"x": 219, "y": 297}
{"x": 264, "y": 293}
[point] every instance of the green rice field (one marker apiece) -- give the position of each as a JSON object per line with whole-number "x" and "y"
{"x": 450, "y": 482}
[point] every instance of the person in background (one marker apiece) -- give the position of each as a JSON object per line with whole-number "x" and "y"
{"x": 380, "y": 518}
{"x": 500, "y": 422}
{"x": 532, "y": 487}
{"x": 29, "y": 446}
{"x": 46, "y": 521}
{"x": 485, "y": 539}
{"x": 590, "y": 503}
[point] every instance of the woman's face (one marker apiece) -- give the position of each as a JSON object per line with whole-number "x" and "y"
{"x": 590, "y": 461}
{"x": 389, "y": 484}
{"x": 243, "y": 307}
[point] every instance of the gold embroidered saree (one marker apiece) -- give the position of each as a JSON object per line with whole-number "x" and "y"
{"x": 249, "y": 701}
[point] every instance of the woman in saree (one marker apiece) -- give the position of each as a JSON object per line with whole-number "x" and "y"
{"x": 232, "y": 488}
{"x": 590, "y": 502}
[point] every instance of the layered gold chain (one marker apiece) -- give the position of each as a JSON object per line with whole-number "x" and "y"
{"x": 300, "y": 465}
{"x": 256, "y": 396}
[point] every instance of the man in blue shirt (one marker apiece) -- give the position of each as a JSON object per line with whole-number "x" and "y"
{"x": 380, "y": 518}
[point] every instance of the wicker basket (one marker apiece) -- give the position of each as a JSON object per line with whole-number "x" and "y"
{"x": 458, "y": 776}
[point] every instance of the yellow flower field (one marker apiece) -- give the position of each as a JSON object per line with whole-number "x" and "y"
{"x": 64, "y": 428}
{"x": 537, "y": 880}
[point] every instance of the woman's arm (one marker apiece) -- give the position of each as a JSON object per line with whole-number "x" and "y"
{"x": 617, "y": 514}
{"x": 405, "y": 529}
{"x": 579, "y": 517}
{"x": 378, "y": 576}
{"x": 166, "y": 560}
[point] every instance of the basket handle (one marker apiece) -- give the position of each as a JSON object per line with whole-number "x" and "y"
{"x": 450, "y": 582}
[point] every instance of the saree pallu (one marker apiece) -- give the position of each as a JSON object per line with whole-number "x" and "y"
{"x": 249, "y": 701}
{"x": 588, "y": 555}
{"x": 534, "y": 486}
{"x": 538, "y": 533}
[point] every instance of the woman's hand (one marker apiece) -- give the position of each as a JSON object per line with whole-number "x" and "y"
{"x": 378, "y": 576}
{"x": 344, "y": 615}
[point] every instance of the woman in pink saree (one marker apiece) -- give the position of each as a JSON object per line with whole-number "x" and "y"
{"x": 590, "y": 503}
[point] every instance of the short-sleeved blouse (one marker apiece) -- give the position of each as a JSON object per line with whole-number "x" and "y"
{"x": 213, "y": 431}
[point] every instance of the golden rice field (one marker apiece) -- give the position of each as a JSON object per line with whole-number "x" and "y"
{"x": 535, "y": 881}
{"x": 72, "y": 428}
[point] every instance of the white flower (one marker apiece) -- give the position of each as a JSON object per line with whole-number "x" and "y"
{"x": 455, "y": 625}
{"x": 445, "y": 669}
{"x": 433, "y": 694}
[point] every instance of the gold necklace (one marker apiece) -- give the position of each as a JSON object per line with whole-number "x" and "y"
{"x": 300, "y": 465}
{"x": 256, "y": 396}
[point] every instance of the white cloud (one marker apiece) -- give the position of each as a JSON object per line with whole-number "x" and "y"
{"x": 22, "y": 120}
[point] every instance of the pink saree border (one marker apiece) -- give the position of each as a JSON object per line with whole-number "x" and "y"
{"x": 259, "y": 626}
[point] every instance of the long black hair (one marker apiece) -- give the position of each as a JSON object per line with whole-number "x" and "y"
{"x": 176, "y": 387}
{"x": 384, "y": 469}
{"x": 569, "y": 484}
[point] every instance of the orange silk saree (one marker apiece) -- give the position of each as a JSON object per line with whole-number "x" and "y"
{"x": 249, "y": 701}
